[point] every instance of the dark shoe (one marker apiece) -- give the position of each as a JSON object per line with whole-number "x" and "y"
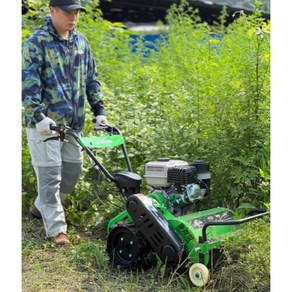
{"x": 35, "y": 212}
{"x": 62, "y": 239}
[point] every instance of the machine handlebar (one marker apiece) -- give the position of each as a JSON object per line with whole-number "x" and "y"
{"x": 57, "y": 128}
{"x": 65, "y": 130}
{"x": 69, "y": 131}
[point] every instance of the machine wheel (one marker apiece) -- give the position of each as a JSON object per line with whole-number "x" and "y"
{"x": 199, "y": 274}
{"x": 126, "y": 247}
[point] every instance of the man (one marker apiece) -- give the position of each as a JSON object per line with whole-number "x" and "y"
{"x": 58, "y": 73}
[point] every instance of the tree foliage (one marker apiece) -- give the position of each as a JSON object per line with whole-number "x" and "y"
{"x": 202, "y": 93}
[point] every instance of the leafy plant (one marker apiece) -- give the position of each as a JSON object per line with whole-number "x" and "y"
{"x": 89, "y": 255}
{"x": 202, "y": 93}
{"x": 248, "y": 258}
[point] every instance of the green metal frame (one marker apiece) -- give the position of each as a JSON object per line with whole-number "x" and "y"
{"x": 102, "y": 141}
{"x": 190, "y": 235}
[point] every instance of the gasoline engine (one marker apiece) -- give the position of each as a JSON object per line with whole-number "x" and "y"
{"x": 182, "y": 183}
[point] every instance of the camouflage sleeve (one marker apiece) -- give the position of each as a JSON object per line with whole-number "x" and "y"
{"x": 93, "y": 90}
{"x": 31, "y": 83}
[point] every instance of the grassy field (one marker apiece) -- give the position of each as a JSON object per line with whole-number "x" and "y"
{"x": 84, "y": 266}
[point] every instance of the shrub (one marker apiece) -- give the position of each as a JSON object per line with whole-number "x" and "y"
{"x": 202, "y": 94}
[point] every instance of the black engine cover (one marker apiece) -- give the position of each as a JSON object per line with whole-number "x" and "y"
{"x": 156, "y": 230}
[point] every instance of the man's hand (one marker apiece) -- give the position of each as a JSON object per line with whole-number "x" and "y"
{"x": 100, "y": 121}
{"x": 43, "y": 127}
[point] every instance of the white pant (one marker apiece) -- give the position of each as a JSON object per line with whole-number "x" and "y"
{"x": 57, "y": 166}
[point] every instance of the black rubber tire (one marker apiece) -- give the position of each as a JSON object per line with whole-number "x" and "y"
{"x": 126, "y": 247}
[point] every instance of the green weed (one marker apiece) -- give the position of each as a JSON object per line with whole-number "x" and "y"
{"x": 203, "y": 94}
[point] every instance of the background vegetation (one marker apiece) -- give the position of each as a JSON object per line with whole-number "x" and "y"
{"x": 202, "y": 93}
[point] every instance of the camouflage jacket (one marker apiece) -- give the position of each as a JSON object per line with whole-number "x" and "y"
{"x": 57, "y": 76}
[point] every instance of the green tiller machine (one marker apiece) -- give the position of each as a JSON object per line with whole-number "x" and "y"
{"x": 163, "y": 222}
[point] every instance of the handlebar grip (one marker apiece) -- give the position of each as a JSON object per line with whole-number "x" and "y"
{"x": 100, "y": 128}
{"x": 107, "y": 128}
{"x": 55, "y": 128}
